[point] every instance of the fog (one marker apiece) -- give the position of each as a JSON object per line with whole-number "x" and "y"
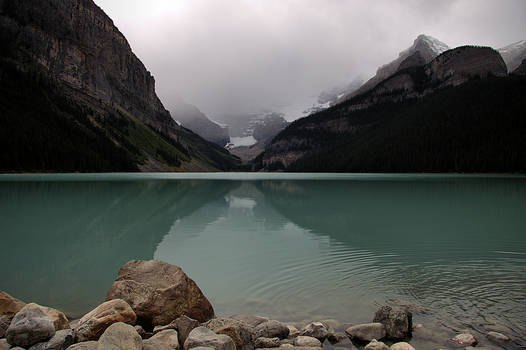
{"x": 239, "y": 56}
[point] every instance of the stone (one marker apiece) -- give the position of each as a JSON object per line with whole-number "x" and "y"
{"x": 293, "y": 331}
{"x": 4, "y": 345}
{"x": 60, "y": 321}
{"x": 402, "y": 346}
{"x": 336, "y": 337}
{"x": 204, "y": 337}
{"x": 140, "y": 331}
{"x": 367, "y": 332}
{"x": 167, "y": 339}
{"x": 185, "y": 325}
{"x": 464, "y": 339}
{"x": 240, "y": 332}
{"x": 61, "y": 340}
{"x": 305, "y": 341}
{"x": 159, "y": 293}
{"x": 376, "y": 345}
{"x": 87, "y": 345}
{"x": 263, "y": 342}
{"x": 497, "y": 337}
{"x": 332, "y": 325}
{"x": 251, "y": 320}
{"x": 271, "y": 329}
{"x": 30, "y": 325}
{"x": 94, "y": 323}
{"x": 120, "y": 336}
{"x": 398, "y": 321}
{"x": 4, "y": 325}
{"x": 9, "y": 306}
{"x": 316, "y": 330}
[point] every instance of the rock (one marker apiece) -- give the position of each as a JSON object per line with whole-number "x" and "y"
{"x": 267, "y": 342}
{"x": 305, "y": 341}
{"x": 61, "y": 340}
{"x": 332, "y": 325}
{"x": 87, "y": 345}
{"x": 204, "y": 337}
{"x": 60, "y": 321}
{"x": 185, "y": 325}
{"x": 367, "y": 332}
{"x": 316, "y": 330}
{"x": 159, "y": 293}
{"x": 140, "y": 331}
{"x": 271, "y": 329}
{"x": 337, "y": 337}
{"x": 9, "y": 306}
{"x": 402, "y": 346}
{"x": 287, "y": 346}
{"x": 398, "y": 322}
{"x": 120, "y": 336}
{"x": 498, "y": 337}
{"x": 4, "y": 325}
{"x": 240, "y": 332}
{"x": 464, "y": 339}
{"x": 164, "y": 340}
{"x": 376, "y": 345}
{"x": 30, "y": 325}
{"x": 4, "y": 345}
{"x": 157, "y": 329}
{"x": 251, "y": 320}
{"x": 94, "y": 323}
{"x": 293, "y": 331}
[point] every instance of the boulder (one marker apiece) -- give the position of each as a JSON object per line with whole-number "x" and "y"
{"x": 185, "y": 325}
{"x": 87, "y": 345}
{"x": 159, "y": 293}
{"x": 164, "y": 340}
{"x": 293, "y": 331}
{"x": 120, "y": 336}
{"x": 402, "y": 346}
{"x": 4, "y": 345}
{"x": 30, "y": 325}
{"x": 94, "y": 323}
{"x": 498, "y": 337}
{"x": 141, "y": 331}
{"x": 240, "y": 332}
{"x": 305, "y": 341}
{"x": 316, "y": 330}
{"x": 271, "y": 329}
{"x": 337, "y": 337}
{"x": 464, "y": 339}
{"x": 376, "y": 345}
{"x": 251, "y": 320}
{"x": 366, "y": 332}
{"x": 9, "y": 306}
{"x": 267, "y": 342}
{"x": 61, "y": 340}
{"x": 204, "y": 337}
{"x": 398, "y": 321}
{"x": 60, "y": 321}
{"x": 4, "y": 325}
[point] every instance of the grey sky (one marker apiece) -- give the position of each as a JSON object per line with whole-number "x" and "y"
{"x": 248, "y": 55}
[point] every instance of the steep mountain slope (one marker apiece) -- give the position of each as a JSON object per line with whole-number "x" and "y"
{"x": 458, "y": 113}
{"x": 521, "y": 70}
{"x": 97, "y": 85}
{"x": 513, "y": 54}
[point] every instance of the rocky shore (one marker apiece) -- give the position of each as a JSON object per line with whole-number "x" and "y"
{"x": 153, "y": 305}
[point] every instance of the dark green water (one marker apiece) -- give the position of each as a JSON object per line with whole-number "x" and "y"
{"x": 292, "y": 247}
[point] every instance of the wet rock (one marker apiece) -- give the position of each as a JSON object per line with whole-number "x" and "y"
{"x": 204, "y": 337}
{"x": 240, "y": 332}
{"x": 4, "y": 325}
{"x": 337, "y": 337}
{"x": 120, "y": 336}
{"x": 293, "y": 331}
{"x": 9, "y": 306}
{"x": 251, "y": 320}
{"x": 267, "y": 342}
{"x": 94, "y": 323}
{"x": 164, "y": 340}
{"x": 402, "y": 346}
{"x": 159, "y": 293}
{"x": 87, "y": 345}
{"x": 464, "y": 339}
{"x": 398, "y": 321}
{"x": 31, "y": 325}
{"x": 316, "y": 330}
{"x": 376, "y": 345}
{"x": 498, "y": 337}
{"x": 306, "y": 341}
{"x": 61, "y": 340}
{"x": 271, "y": 329}
{"x": 367, "y": 332}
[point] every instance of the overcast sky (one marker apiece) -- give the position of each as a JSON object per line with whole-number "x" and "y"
{"x": 248, "y": 55}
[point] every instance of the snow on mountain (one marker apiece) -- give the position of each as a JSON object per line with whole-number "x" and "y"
{"x": 513, "y": 54}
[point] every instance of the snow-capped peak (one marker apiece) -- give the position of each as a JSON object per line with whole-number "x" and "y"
{"x": 435, "y": 45}
{"x": 513, "y": 47}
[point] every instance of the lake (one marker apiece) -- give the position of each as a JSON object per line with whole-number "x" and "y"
{"x": 289, "y": 246}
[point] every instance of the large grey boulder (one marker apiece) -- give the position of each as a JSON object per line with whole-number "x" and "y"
{"x": 87, "y": 345}
{"x": 240, "y": 332}
{"x": 4, "y": 325}
{"x": 163, "y": 340}
{"x": 10, "y": 306}
{"x": 251, "y": 320}
{"x": 316, "y": 330}
{"x": 94, "y": 323}
{"x": 366, "y": 332}
{"x": 398, "y": 321}
{"x": 376, "y": 345}
{"x": 30, "y": 325}
{"x": 61, "y": 340}
{"x": 120, "y": 336}
{"x": 159, "y": 293}
{"x": 401, "y": 346}
{"x": 204, "y": 337}
{"x": 464, "y": 339}
{"x": 271, "y": 329}
{"x": 304, "y": 341}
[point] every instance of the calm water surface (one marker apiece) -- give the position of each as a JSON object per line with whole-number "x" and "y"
{"x": 292, "y": 247}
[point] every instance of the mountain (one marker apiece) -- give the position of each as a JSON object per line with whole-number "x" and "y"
{"x": 521, "y": 70}
{"x": 192, "y": 118}
{"x": 514, "y": 54}
{"x": 76, "y": 98}
{"x": 458, "y": 113}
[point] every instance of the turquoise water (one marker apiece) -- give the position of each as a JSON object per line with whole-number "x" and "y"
{"x": 290, "y": 246}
